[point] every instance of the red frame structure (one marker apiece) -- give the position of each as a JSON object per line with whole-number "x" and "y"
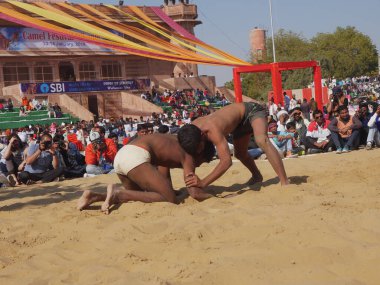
{"x": 275, "y": 69}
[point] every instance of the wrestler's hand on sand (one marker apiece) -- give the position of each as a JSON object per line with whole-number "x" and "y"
{"x": 192, "y": 180}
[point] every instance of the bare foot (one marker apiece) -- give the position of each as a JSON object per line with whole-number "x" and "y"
{"x": 255, "y": 179}
{"x": 285, "y": 183}
{"x": 88, "y": 198}
{"x": 110, "y": 199}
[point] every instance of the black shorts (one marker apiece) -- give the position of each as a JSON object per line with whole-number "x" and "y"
{"x": 252, "y": 112}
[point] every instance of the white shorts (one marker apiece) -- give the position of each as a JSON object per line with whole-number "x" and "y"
{"x": 129, "y": 157}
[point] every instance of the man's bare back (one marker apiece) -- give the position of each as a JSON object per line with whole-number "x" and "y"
{"x": 164, "y": 149}
{"x": 224, "y": 120}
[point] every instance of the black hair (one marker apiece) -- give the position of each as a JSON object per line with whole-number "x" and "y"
{"x": 208, "y": 151}
{"x": 189, "y": 137}
{"x": 112, "y": 135}
{"x": 141, "y": 127}
{"x": 149, "y": 125}
{"x": 58, "y": 138}
{"x": 316, "y": 112}
{"x": 290, "y": 125}
{"x": 102, "y": 130}
{"x": 163, "y": 129}
{"x": 296, "y": 109}
{"x": 341, "y": 108}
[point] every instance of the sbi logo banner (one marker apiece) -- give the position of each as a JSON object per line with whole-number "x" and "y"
{"x": 52, "y": 88}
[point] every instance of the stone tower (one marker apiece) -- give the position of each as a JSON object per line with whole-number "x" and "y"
{"x": 258, "y": 44}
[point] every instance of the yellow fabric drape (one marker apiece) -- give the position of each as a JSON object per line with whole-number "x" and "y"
{"x": 178, "y": 49}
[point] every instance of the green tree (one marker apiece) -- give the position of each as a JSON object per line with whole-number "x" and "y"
{"x": 345, "y": 53}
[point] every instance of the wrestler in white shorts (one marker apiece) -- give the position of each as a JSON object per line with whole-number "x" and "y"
{"x": 129, "y": 157}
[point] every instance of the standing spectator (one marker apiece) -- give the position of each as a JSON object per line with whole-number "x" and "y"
{"x": 305, "y": 109}
{"x": 24, "y": 102}
{"x": 313, "y": 105}
{"x": 41, "y": 163}
{"x": 272, "y": 107}
{"x": 51, "y": 111}
{"x": 345, "y": 130}
{"x": 57, "y": 111}
{"x": 293, "y": 103}
{"x": 286, "y": 101}
{"x": 9, "y": 105}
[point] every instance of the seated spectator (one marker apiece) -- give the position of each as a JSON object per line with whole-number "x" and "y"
{"x": 163, "y": 129}
{"x": 2, "y": 108}
{"x": 345, "y": 131}
{"x": 149, "y": 128}
{"x": 23, "y": 112}
{"x": 364, "y": 116}
{"x": 253, "y": 149}
{"x": 115, "y": 138}
{"x": 142, "y": 130}
{"x": 374, "y": 130}
{"x": 282, "y": 117}
{"x": 300, "y": 121}
{"x": 41, "y": 163}
{"x": 70, "y": 158}
{"x": 36, "y": 105}
{"x": 12, "y": 158}
{"x": 99, "y": 154}
{"x": 282, "y": 141}
{"x": 296, "y": 147}
{"x": 318, "y": 136}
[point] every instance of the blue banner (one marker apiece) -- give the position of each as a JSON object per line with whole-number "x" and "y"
{"x": 84, "y": 86}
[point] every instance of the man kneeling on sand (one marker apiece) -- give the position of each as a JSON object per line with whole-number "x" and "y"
{"x": 143, "y": 167}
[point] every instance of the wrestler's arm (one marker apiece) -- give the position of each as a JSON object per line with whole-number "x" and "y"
{"x": 165, "y": 171}
{"x": 225, "y": 161}
{"x": 197, "y": 193}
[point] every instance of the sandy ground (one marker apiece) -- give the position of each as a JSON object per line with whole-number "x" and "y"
{"x": 323, "y": 229}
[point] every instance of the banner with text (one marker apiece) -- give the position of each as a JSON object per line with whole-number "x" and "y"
{"x": 29, "y": 39}
{"x": 83, "y": 86}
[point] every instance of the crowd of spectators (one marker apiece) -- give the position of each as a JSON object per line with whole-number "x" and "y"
{"x": 37, "y": 153}
{"x": 349, "y": 119}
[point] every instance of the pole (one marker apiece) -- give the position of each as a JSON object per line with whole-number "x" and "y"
{"x": 271, "y": 25}
{"x": 237, "y": 85}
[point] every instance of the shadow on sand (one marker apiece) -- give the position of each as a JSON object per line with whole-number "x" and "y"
{"x": 237, "y": 189}
{"x": 43, "y": 195}
{"x": 55, "y": 194}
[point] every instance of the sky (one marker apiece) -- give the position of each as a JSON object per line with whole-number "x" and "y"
{"x": 226, "y": 24}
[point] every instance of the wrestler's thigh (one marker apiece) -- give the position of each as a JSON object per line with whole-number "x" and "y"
{"x": 149, "y": 179}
